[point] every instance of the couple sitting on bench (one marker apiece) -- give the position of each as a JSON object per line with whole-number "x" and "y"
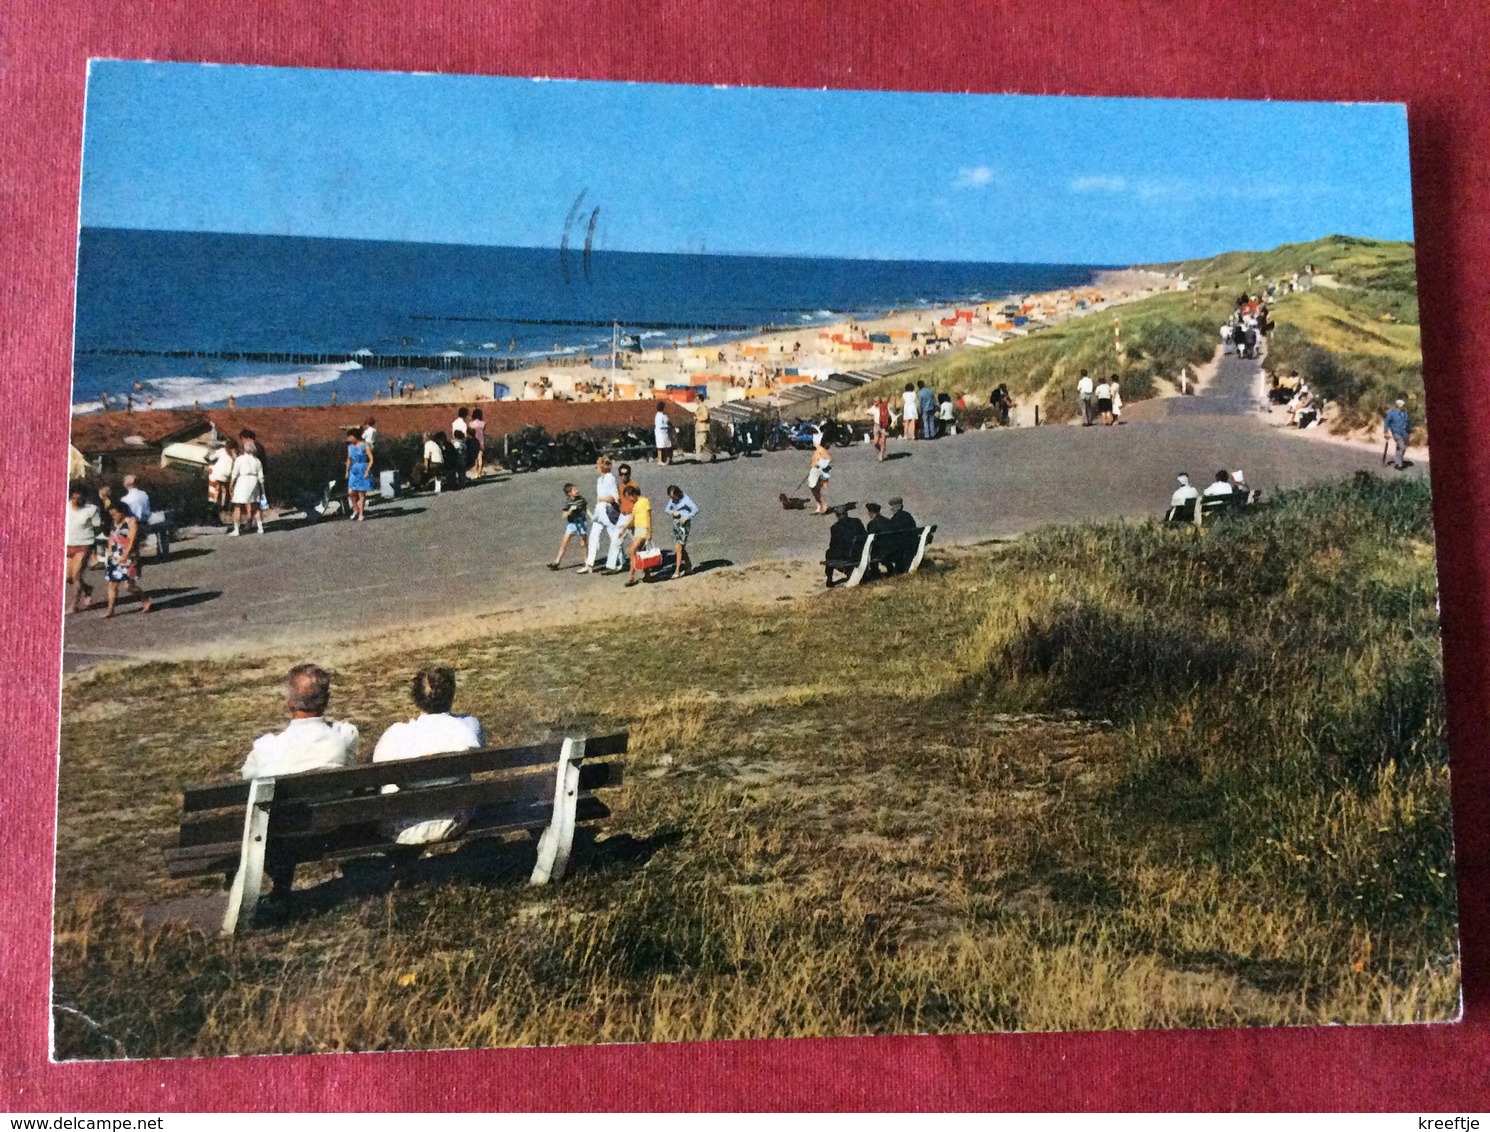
{"x": 1227, "y": 490}
{"x": 312, "y": 742}
{"x": 895, "y": 544}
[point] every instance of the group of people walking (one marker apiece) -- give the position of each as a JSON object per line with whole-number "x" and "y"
{"x": 109, "y": 530}
{"x": 235, "y": 479}
{"x": 1101, "y": 400}
{"x": 623, "y": 511}
{"x": 1244, "y": 332}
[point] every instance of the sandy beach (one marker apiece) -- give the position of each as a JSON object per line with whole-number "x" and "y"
{"x": 760, "y": 363}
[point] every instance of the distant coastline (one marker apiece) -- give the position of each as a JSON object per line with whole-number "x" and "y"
{"x": 176, "y": 319}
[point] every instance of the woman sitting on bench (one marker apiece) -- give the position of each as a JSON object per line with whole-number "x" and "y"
{"x": 435, "y": 731}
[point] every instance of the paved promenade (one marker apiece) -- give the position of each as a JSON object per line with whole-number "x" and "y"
{"x": 481, "y": 552}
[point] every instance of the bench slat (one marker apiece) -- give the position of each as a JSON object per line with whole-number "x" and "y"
{"x": 492, "y": 821}
{"x": 298, "y": 787}
{"x": 296, "y": 817}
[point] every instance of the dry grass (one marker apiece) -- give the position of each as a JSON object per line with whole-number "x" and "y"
{"x": 1110, "y": 777}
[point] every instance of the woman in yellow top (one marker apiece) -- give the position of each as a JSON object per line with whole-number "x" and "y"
{"x": 641, "y": 528}
{"x": 817, "y": 475}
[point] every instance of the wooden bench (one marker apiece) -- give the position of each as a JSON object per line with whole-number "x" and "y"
{"x": 270, "y": 825}
{"x": 1186, "y": 512}
{"x": 875, "y": 548}
{"x": 1209, "y": 507}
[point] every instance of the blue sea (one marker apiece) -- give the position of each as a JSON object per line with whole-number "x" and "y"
{"x": 143, "y": 296}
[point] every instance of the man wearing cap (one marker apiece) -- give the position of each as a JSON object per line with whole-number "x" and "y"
{"x": 1183, "y": 497}
{"x": 900, "y": 535}
{"x": 1398, "y": 427}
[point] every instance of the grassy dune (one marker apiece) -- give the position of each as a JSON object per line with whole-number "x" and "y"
{"x": 1160, "y": 335}
{"x": 1354, "y": 261}
{"x": 1107, "y": 776}
{"x": 1358, "y": 342}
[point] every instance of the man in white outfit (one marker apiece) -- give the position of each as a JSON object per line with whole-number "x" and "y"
{"x": 1182, "y": 500}
{"x": 1084, "y": 395}
{"x": 435, "y": 731}
{"x": 311, "y": 741}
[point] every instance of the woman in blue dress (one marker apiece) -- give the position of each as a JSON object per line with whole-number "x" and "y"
{"x": 359, "y": 472}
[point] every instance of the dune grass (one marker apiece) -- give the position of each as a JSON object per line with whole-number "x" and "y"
{"x": 1357, "y": 342}
{"x": 1160, "y": 335}
{"x": 1108, "y": 776}
{"x": 1338, "y": 342}
{"x": 1354, "y": 261}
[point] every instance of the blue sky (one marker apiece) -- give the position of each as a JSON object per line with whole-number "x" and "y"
{"x": 476, "y": 160}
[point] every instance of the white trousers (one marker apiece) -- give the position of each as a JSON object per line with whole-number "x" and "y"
{"x": 599, "y": 525}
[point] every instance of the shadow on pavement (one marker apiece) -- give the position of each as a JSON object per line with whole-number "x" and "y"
{"x": 180, "y": 597}
{"x": 712, "y": 564}
{"x": 181, "y": 555}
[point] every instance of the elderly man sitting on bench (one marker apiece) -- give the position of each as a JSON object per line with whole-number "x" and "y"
{"x": 311, "y": 741}
{"x": 900, "y": 533}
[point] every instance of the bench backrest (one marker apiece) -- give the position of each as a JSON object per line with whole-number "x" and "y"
{"x": 514, "y": 789}
{"x": 1187, "y": 512}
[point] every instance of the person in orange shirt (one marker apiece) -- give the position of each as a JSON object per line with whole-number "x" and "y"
{"x": 641, "y": 529}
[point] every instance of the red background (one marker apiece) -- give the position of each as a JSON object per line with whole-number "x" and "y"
{"x": 1433, "y": 56}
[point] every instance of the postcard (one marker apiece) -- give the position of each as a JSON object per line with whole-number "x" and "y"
{"x": 554, "y": 563}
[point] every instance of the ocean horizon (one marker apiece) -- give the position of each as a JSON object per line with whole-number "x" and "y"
{"x": 156, "y": 310}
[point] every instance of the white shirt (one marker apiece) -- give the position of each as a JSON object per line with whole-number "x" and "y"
{"x": 306, "y": 744}
{"x": 82, "y": 524}
{"x": 369, "y": 435}
{"x": 1084, "y": 386}
{"x": 909, "y": 401}
{"x": 247, "y": 466}
{"x": 946, "y": 411}
{"x": 1219, "y": 487}
{"x": 1183, "y": 496}
{"x": 663, "y": 428}
{"x": 139, "y": 503}
{"x": 439, "y": 734}
{"x": 432, "y": 452}
{"x": 606, "y": 489}
{"x": 458, "y": 427}
{"x": 1104, "y": 391}
{"x": 222, "y": 465}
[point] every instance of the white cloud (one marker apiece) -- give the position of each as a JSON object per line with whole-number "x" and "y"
{"x": 1098, "y": 185}
{"x": 977, "y": 177}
